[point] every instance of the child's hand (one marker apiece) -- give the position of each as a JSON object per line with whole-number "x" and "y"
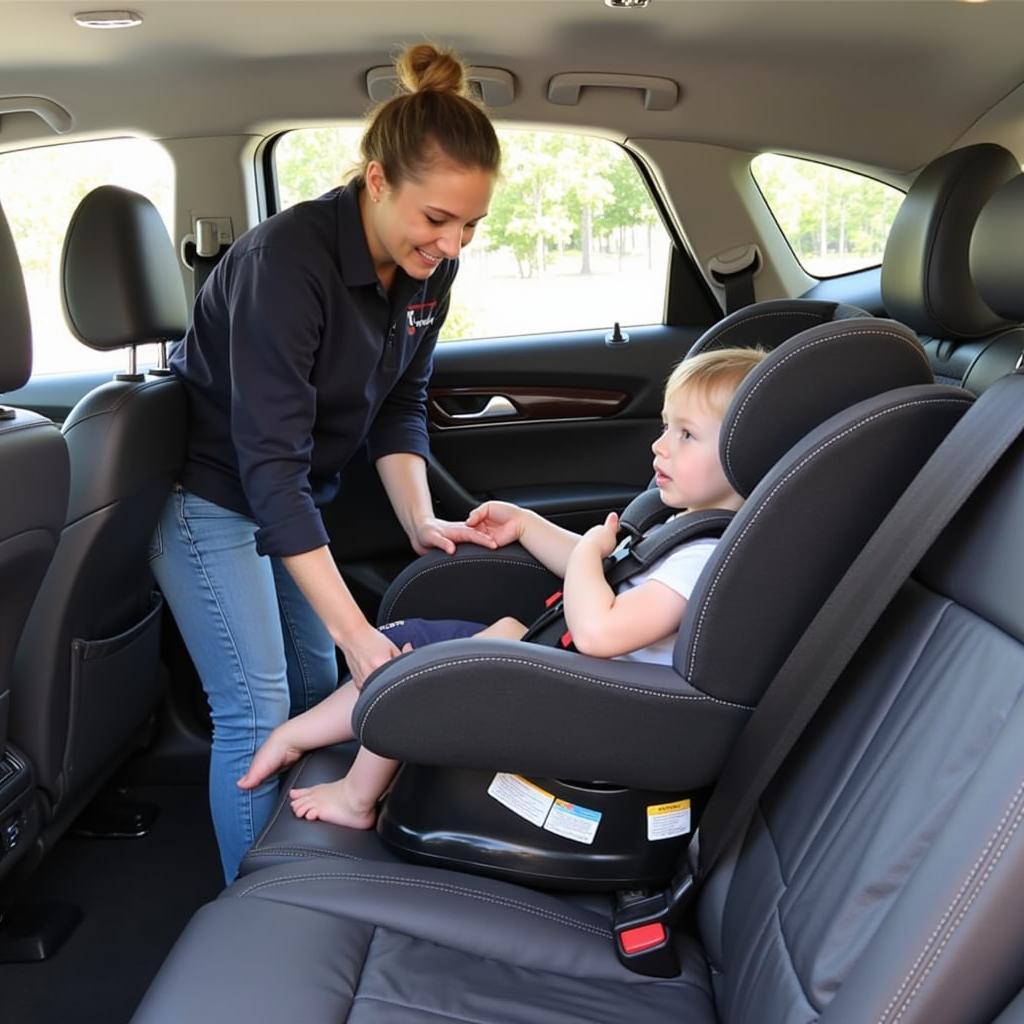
{"x": 499, "y": 520}
{"x": 603, "y": 537}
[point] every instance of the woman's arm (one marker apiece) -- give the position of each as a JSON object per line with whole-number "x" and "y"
{"x": 605, "y": 624}
{"x": 365, "y": 649}
{"x": 404, "y": 476}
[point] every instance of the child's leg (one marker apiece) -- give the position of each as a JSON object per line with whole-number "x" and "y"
{"x": 328, "y": 722}
{"x": 504, "y": 629}
{"x": 351, "y": 801}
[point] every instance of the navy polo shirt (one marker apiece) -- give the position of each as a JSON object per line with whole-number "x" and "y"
{"x": 295, "y": 358}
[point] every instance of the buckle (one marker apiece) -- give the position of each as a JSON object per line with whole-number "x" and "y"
{"x": 642, "y": 926}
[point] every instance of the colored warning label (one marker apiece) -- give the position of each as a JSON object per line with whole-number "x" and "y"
{"x": 521, "y": 797}
{"x": 573, "y": 822}
{"x": 666, "y": 821}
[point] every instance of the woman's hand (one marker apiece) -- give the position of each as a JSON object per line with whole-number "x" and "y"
{"x": 502, "y": 522}
{"x": 366, "y": 652}
{"x": 603, "y": 537}
{"x": 432, "y": 532}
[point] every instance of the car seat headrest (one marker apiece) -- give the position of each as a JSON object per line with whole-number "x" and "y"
{"x": 15, "y": 327}
{"x": 926, "y": 279}
{"x": 768, "y": 324}
{"x": 808, "y": 379}
{"x": 997, "y": 251}
{"x": 121, "y": 283}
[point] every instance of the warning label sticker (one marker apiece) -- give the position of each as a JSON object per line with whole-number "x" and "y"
{"x": 666, "y": 821}
{"x": 573, "y": 822}
{"x": 540, "y": 808}
{"x": 521, "y": 797}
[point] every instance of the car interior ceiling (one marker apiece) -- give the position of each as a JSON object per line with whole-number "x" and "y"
{"x": 875, "y": 868}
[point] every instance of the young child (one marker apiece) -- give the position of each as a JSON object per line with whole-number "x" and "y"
{"x": 640, "y": 622}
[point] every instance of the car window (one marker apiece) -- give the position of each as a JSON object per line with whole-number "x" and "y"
{"x": 573, "y": 240}
{"x": 39, "y": 191}
{"x": 836, "y": 221}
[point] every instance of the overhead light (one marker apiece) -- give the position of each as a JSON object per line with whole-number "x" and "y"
{"x": 627, "y": 3}
{"x": 108, "y": 19}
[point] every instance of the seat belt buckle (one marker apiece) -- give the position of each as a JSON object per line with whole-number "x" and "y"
{"x": 642, "y": 928}
{"x": 552, "y": 598}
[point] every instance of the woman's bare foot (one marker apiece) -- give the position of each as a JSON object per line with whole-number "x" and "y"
{"x": 278, "y": 753}
{"x": 333, "y": 802}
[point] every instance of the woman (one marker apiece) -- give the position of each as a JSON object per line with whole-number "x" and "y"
{"x": 312, "y": 337}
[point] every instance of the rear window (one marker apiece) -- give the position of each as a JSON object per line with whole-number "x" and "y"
{"x": 835, "y": 221}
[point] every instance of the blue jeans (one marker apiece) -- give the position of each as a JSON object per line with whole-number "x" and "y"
{"x": 260, "y": 650}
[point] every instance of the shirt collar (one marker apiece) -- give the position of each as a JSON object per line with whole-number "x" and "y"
{"x": 353, "y": 251}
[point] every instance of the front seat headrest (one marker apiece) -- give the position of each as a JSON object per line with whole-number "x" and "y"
{"x": 926, "y": 280}
{"x": 121, "y": 284}
{"x": 997, "y": 251}
{"x": 15, "y": 326}
{"x": 815, "y": 375}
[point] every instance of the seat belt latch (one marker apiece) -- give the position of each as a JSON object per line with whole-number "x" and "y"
{"x": 642, "y": 925}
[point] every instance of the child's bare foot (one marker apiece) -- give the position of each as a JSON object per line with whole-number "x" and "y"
{"x": 333, "y": 802}
{"x": 274, "y": 756}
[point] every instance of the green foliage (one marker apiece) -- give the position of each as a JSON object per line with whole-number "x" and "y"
{"x": 833, "y": 219}
{"x": 557, "y": 191}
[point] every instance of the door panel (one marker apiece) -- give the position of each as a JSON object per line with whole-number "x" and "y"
{"x": 572, "y": 468}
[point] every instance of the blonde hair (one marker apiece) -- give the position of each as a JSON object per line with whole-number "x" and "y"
{"x": 713, "y": 377}
{"x": 435, "y": 117}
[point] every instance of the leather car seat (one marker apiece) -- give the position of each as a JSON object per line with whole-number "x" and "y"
{"x": 926, "y": 277}
{"x": 34, "y": 470}
{"x": 86, "y": 674}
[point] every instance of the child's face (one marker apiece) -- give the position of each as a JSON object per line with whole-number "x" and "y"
{"x": 687, "y": 469}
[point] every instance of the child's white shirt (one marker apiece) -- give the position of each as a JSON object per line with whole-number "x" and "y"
{"x": 679, "y": 571}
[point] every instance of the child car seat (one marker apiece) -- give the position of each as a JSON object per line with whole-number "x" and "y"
{"x": 821, "y": 438}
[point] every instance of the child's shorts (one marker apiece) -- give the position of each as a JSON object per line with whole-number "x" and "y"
{"x": 420, "y": 632}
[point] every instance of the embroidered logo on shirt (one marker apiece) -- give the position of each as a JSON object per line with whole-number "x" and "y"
{"x": 422, "y": 314}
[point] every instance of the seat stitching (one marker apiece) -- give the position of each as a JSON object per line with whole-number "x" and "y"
{"x": 799, "y": 467}
{"x": 444, "y": 887}
{"x": 522, "y": 563}
{"x": 811, "y": 343}
{"x": 302, "y": 851}
{"x": 451, "y": 662}
{"x": 1015, "y": 808}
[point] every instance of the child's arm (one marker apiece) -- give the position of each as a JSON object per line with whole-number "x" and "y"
{"x": 605, "y": 624}
{"x": 506, "y": 523}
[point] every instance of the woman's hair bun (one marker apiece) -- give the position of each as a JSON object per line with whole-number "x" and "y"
{"x": 426, "y": 67}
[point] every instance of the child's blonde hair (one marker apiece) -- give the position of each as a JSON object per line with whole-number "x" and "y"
{"x": 713, "y": 377}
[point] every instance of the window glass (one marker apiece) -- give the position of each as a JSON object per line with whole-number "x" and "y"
{"x": 572, "y": 241}
{"x": 835, "y": 221}
{"x": 39, "y": 191}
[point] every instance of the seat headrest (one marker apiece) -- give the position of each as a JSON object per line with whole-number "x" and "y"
{"x": 15, "y": 327}
{"x": 121, "y": 284}
{"x": 926, "y": 280}
{"x": 809, "y": 379}
{"x": 771, "y": 322}
{"x": 997, "y": 251}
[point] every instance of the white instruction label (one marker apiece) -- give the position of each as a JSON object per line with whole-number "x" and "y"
{"x": 573, "y": 822}
{"x": 666, "y": 821}
{"x": 521, "y": 797}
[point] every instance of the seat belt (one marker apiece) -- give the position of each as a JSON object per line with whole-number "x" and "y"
{"x": 645, "y": 545}
{"x": 642, "y": 923}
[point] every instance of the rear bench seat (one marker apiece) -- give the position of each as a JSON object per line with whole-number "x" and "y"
{"x": 880, "y": 880}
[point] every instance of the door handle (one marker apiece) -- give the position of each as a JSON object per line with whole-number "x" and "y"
{"x": 497, "y": 407}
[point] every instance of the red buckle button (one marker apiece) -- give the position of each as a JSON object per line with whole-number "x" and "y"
{"x": 566, "y": 639}
{"x": 549, "y": 601}
{"x": 637, "y": 940}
